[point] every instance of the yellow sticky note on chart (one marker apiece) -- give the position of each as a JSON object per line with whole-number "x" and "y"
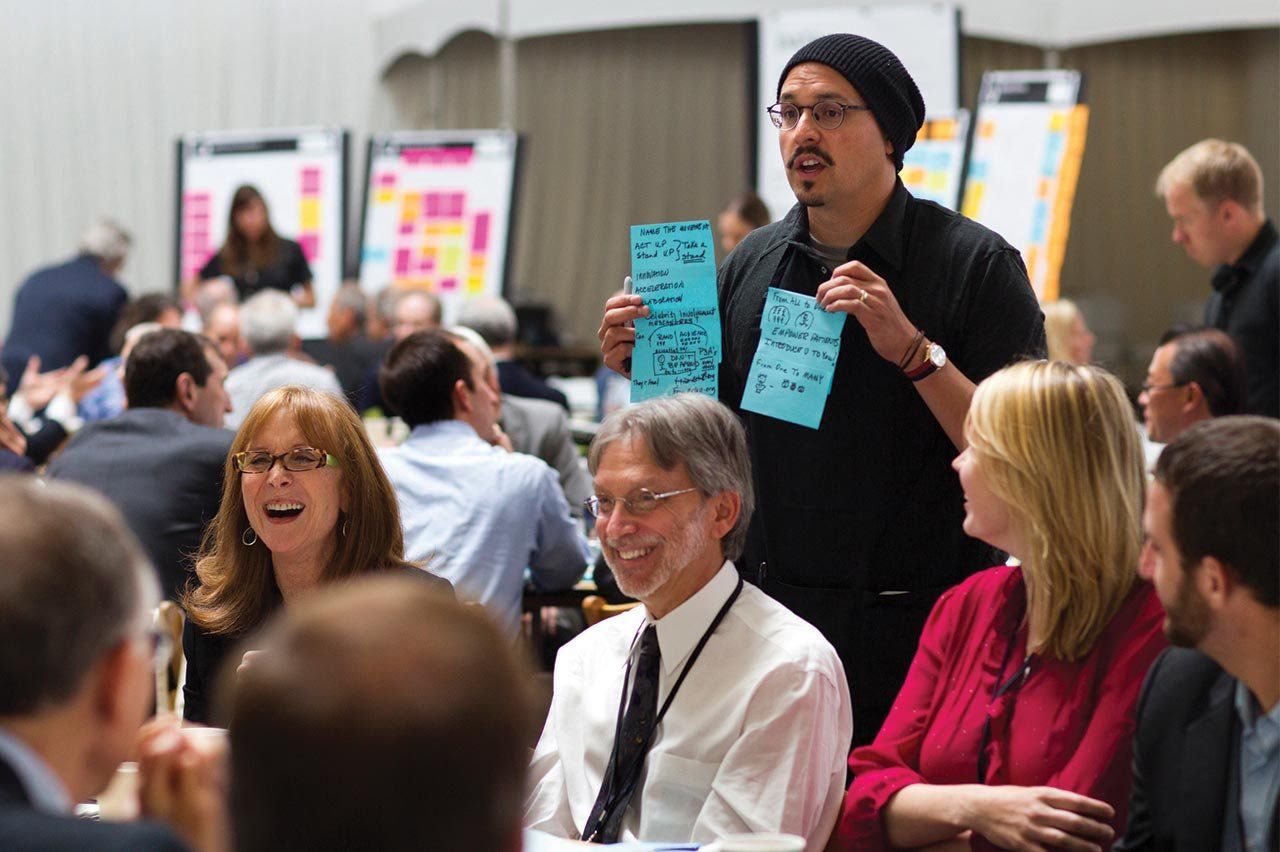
{"x": 450, "y": 260}
{"x": 309, "y": 214}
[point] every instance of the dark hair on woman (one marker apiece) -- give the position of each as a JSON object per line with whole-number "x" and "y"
{"x": 419, "y": 374}
{"x": 238, "y": 252}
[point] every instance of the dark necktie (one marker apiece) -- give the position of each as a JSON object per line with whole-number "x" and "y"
{"x": 622, "y": 775}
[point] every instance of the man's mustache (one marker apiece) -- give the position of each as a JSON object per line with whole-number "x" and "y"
{"x": 810, "y": 149}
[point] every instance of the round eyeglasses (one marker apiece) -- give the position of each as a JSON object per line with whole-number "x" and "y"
{"x": 297, "y": 460}
{"x": 642, "y": 502}
{"x": 828, "y": 115}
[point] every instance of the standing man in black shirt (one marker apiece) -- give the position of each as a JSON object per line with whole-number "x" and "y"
{"x": 859, "y": 524}
{"x": 1213, "y": 193}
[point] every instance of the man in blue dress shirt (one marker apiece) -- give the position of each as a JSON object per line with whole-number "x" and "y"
{"x": 473, "y": 512}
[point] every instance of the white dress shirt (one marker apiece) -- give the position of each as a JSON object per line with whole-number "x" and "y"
{"x": 756, "y": 739}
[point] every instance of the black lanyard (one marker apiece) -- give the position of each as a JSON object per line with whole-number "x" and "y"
{"x": 618, "y": 794}
{"x": 1014, "y": 682}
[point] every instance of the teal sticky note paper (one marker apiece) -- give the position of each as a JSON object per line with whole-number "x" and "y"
{"x": 786, "y": 390}
{"x": 678, "y": 346}
{"x": 795, "y": 361}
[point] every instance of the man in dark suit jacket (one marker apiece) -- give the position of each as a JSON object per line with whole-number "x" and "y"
{"x": 161, "y": 461}
{"x": 1206, "y": 755}
{"x": 76, "y": 661}
{"x": 65, "y": 311}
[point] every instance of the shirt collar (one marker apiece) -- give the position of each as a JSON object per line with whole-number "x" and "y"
{"x": 885, "y": 236}
{"x": 451, "y": 432}
{"x": 1265, "y": 726}
{"x": 44, "y": 788}
{"x": 680, "y": 629}
{"x": 1229, "y": 275}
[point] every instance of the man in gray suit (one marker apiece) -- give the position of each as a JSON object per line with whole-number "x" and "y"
{"x": 161, "y": 461}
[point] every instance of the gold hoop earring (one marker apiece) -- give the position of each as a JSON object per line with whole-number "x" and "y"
{"x": 344, "y": 527}
{"x": 246, "y": 539}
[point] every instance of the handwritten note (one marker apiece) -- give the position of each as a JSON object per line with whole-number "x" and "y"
{"x": 678, "y": 345}
{"x": 795, "y": 362}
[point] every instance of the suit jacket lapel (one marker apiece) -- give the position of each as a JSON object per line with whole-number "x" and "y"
{"x": 1203, "y": 793}
{"x": 12, "y": 793}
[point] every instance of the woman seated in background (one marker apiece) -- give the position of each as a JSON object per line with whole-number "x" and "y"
{"x": 305, "y": 502}
{"x": 1069, "y": 339}
{"x": 255, "y": 257}
{"x": 1012, "y": 729}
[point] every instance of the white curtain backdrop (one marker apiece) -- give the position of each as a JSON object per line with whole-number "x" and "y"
{"x": 95, "y": 93}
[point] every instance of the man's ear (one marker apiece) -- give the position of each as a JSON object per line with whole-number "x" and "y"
{"x": 1229, "y": 211}
{"x": 462, "y": 404}
{"x": 1195, "y": 398}
{"x": 888, "y": 147}
{"x": 185, "y": 392}
{"x": 111, "y": 680}
{"x": 1215, "y": 582}
{"x": 726, "y": 506}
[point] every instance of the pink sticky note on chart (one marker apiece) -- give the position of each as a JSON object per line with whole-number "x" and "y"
{"x": 310, "y": 246}
{"x": 480, "y": 235}
{"x": 402, "y": 262}
{"x": 310, "y": 181}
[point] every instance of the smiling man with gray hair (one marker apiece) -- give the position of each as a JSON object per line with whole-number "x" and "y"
{"x": 268, "y": 323}
{"x": 710, "y": 709}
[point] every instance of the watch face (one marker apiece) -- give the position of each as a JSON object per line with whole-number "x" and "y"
{"x": 938, "y": 356}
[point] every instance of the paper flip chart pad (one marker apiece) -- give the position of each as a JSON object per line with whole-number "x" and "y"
{"x": 795, "y": 361}
{"x": 678, "y": 345}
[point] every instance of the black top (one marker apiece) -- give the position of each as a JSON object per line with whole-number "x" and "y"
{"x": 205, "y": 651}
{"x": 290, "y": 268}
{"x": 61, "y": 313}
{"x": 1245, "y": 303}
{"x": 868, "y": 502}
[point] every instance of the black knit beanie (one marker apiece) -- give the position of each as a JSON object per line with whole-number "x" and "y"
{"x": 878, "y": 76}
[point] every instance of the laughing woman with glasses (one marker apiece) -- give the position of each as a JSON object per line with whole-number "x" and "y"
{"x": 1012, "y": 730}
{"x": 305, "y": 502}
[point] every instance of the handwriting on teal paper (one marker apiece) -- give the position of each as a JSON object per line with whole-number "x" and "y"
{"x": 678, "y": 344}
{"x": 795, "y": 361}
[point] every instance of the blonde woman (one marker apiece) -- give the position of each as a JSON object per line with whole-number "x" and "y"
{"x": 1013, "y": 727}
{"x": 305, "y": 502}
{"x": 1068, "y": 337}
